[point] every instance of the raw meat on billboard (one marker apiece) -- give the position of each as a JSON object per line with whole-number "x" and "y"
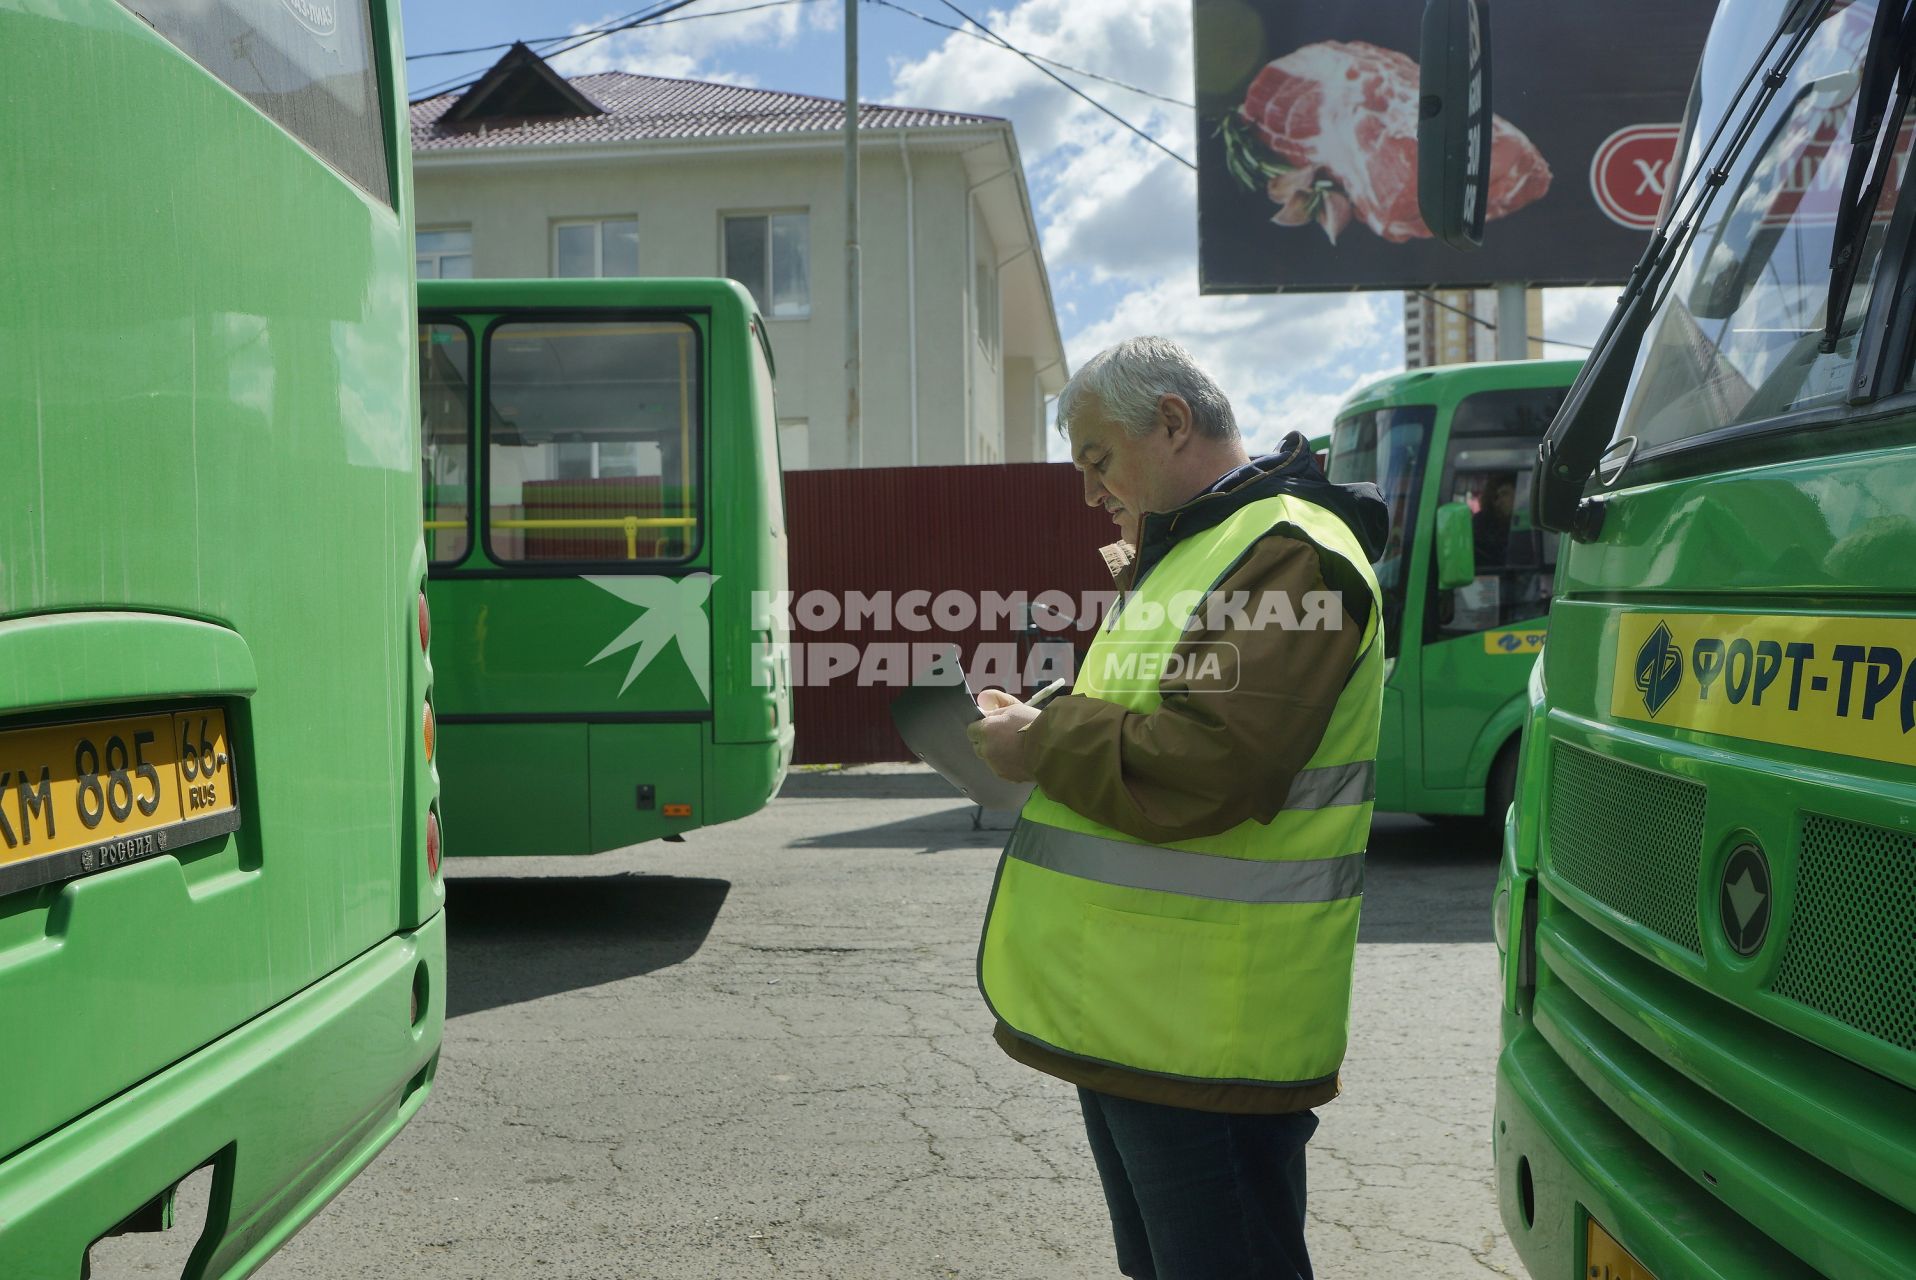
{"x": 1329, "y": 131}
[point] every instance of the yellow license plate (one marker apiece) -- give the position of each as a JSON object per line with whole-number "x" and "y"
{"x": 1605, "y": 1259}
{"x": 85, "y": 797}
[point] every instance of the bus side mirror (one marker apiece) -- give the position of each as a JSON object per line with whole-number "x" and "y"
{"x": 1456, "y": 547}
{"x": 1454, "y": 120}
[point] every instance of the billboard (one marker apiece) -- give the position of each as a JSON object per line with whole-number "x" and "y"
{"x": 1307, "y": 142}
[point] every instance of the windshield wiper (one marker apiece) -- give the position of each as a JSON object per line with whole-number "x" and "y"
{"x": 1872, "y": 150}
{"x": 1582, "y": 427}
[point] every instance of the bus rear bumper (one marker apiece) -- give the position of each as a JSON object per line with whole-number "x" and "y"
{"x": 1564, "y": 1158}
{"x": 286, "y": 1108}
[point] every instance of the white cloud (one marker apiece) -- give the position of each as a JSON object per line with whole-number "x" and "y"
{"x": 1110, "y": 204}
{"x": 1119, "y": 217}
{"x": 1576, "y": 315}
{"x": 1286, "y": 363}
{"x": 692, "y": 50}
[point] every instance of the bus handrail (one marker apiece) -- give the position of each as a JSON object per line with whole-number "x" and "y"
{"x": 630, "y": 524}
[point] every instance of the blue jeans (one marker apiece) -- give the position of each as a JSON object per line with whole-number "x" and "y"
{"x": 1195, "y": 1195}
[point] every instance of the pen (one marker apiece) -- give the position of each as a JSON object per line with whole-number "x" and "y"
{"x": 1038, "y": 700}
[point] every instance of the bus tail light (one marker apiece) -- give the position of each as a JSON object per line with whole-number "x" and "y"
{"x": 430, "y": 730}
{"x": 432, "y": 842}
{"x": 677, "y": 811}
{"x": 425, "y": 624}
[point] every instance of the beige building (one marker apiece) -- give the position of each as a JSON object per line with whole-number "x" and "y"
{"x": 530, "y": 174}
{"x": 1439, "y": 328}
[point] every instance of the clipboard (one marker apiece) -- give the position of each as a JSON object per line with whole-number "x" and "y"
{"x": 932, "y": 718}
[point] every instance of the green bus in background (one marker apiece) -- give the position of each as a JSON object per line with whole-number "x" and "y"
{"x": 222, "y": 953}
{"x": 1465, "y": 575}
{"x": 1707, "y": 904}
{"x": 604, "y": 513}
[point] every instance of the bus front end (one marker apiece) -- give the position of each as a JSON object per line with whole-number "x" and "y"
{"x": 1705, "y": 906}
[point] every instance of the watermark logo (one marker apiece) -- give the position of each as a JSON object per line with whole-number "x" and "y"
{"x": 1145, "y": 640}
{"x": 672, "y": 613}
{"x": 1207, "y": 666}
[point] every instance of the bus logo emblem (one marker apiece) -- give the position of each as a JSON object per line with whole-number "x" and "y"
{"x": 671, "y": 614}
{"x": 1659, "y": 669}
{"x": 1744, "y": 901}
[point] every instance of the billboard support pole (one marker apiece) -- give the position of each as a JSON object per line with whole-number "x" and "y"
{"x": 1513, "y": 322}
{"x": 854, "y": 429}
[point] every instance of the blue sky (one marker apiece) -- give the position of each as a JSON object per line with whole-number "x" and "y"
{"x": 1118, "y": 218}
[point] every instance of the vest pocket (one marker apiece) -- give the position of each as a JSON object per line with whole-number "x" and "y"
{"x": 1159, "y": 993}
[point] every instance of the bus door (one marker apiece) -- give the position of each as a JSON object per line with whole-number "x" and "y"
{"x": 572, "y": 635}
{"x": 1480, "y": 638}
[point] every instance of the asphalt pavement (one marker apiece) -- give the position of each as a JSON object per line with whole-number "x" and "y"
{"x": 761, "y": 1053}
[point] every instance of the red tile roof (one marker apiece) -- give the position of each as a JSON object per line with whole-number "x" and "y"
{"x": 652, "y": 108}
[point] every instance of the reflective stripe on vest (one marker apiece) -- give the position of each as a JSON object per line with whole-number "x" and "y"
{"x": 1194, "y": 875}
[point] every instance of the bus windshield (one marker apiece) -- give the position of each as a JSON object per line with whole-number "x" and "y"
{"x": 1388, "y": 447}
{"x": 1739, "y": 335}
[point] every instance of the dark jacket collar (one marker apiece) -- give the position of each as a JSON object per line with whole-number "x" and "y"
{"x": 1291, "y": 470}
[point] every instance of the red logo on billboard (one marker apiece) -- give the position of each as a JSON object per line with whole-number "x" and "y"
{"x": 1629, "y": 171}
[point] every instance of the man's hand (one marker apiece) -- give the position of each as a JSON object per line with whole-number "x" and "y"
{"x": 997, "y": 739}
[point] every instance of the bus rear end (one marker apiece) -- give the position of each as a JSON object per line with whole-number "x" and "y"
{"x": 221, "y": 943}
{"x": 1709, "y": 882}
{"x": 604, "y": 513}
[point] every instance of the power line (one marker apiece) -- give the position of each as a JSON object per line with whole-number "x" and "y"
{"x": 1491, "y": 324}
{"x": 1036, "y": 57}
{"x": 449, "y": 84}
{"x": 661, "y": 22}
{"x": 638, "y": 18}
{"x": 1006, "y": 44}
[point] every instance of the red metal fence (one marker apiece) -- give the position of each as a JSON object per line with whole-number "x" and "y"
{"x": 1016, "y": 528}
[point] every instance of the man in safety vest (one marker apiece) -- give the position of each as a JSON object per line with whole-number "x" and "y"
{"x": 1175, "y": 916}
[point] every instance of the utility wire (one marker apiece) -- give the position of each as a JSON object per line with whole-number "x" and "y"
{"x": 1006, "y": 44}
{"x": 638, "y": 18}
{"x": 1035, "y": 57}
{"x": 1474, "y": 318}
{"x": 690, "y": 17}
{"x": 442, "y": 86}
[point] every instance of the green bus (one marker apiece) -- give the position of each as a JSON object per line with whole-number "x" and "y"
{"x": 1465, "y": 574}
{"x": 1707, "y": 904}
{"x": 222, "y": 950}
{"x": 604, "y": 516}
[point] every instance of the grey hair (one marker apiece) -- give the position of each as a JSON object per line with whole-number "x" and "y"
{"x": 1126, "y": 381}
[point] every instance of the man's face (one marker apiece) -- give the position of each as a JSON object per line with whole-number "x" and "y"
{"x": 1122, "y": 473}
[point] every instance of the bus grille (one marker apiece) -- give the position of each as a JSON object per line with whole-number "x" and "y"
{"x": 1848, "y": 955}
{"x": 1629, "y": 837}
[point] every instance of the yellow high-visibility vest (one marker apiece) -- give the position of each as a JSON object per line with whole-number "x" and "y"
{"x": 1223, "y": 959}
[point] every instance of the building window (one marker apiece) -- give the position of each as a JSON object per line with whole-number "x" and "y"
{"x": 987, "y": 308}
{"x": 444, "y": 254}
{"x": 596, "y": 247}
{"x": 771, "y": 255}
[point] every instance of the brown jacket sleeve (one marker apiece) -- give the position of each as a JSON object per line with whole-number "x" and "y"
{"x": 1218, "y": 750}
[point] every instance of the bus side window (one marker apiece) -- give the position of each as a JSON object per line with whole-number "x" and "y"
{"x": 1515, "y": 560}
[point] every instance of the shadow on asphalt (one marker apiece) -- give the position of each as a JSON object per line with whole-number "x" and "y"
{"x": 916, "y": 784}
{"x": 511, "y": 940}
{"x": 938, "y": 832}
